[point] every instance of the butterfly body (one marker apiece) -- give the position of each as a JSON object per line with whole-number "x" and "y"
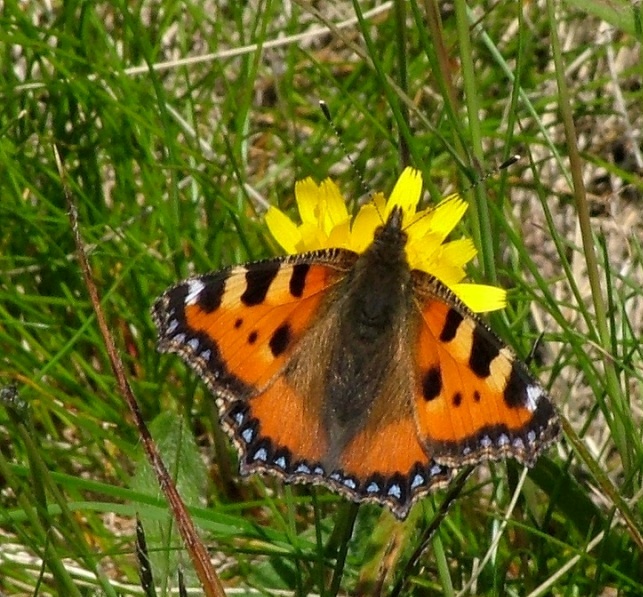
{"x": 354, "y": 371}
{"x": 368, "y": 308}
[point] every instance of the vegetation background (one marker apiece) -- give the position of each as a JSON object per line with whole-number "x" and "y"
{"x": 178, "y": 123}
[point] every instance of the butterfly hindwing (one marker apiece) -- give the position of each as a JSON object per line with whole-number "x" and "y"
{"x": 385, "y": 454}
{"x": 384, "y": 463}
{"x": 474, "y": 400}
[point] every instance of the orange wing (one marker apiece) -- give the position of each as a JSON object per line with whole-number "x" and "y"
{"x": 238, "y": 327}
{"x": 474, "y": 400}
{"x": 385, "y": 459}
{"x": 278, "y": 432}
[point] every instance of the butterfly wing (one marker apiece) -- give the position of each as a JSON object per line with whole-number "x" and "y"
{"x": 383, "y": 459}
{"x": 237, "y": 327}
{"x": 473, "y": 399}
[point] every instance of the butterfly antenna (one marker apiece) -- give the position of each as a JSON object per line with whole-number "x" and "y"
{"x": 508, "y": 162}
{"x": 489, "y": 173}
{"x": 326, "y": 112}
{"x": 534, "y": 348}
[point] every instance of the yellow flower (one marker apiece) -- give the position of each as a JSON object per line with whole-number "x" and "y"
{"x": 326, "y": 223}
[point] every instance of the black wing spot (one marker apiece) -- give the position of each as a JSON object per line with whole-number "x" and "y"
{"x": 515, "y": 394}
{"x": 280, "y": 340}
{"x": 252, "y": 337}
{"x": 258, "y": 281}
{"x": 457, "y": 399}
{"x": 212, "y": 294}
{"x": 451, "y": 325}
{"x": 298, "y": 279}
{"x": 432, "y": 384}
{"x": 238, "y": 323}
{"x": 483, "y": 351}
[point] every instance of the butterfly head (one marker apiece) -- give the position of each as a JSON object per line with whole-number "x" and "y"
{"x": 394, "y": 221}
{"x": 390, "y": 234}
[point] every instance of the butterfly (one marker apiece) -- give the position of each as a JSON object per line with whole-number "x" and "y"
{"x": 355, "y": 370}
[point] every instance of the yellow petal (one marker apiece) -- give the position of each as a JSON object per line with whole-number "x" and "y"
{"x": 307, "y": 194}
{"x": 480, "y": 297}
{"x": 448, "y": 273}
{"x": 445, "y": 217}
{"x": 335, "y": 211}
{"x": 312, "y": 238}
{"x": 379, "y": 201}
{"x": 283, "y": 229}
{"x": 423, "y": 253}
{"x": 340, "y": 235}
{"x": 458, "y": 252}
{"x": 406, "y": 192}
{"x": 366, "y": 221}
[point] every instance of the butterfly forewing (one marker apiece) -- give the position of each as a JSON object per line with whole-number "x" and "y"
{"x": 237, "y": 327}
{"x": 474, "y": 400}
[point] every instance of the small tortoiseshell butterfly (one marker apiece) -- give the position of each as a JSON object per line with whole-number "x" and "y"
{"x": 352, "y": 367}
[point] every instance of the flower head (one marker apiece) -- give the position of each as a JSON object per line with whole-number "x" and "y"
{"x": 326, "y": 223}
